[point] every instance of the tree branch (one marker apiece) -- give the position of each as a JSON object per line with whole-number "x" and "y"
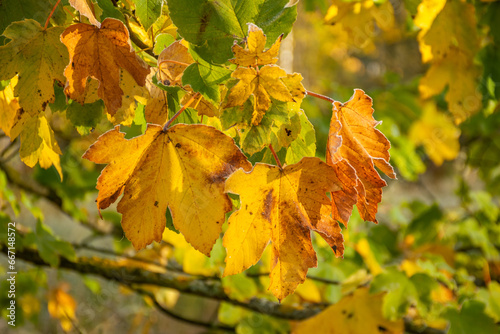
{"x": 208, "y": 288}
{"x": 180, "y": 318}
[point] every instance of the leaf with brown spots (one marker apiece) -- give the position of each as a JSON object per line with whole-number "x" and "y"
{"x": 355, "y": 147}
{"x": 282, "y": 205}
{"x": 254, "y": 54}
{"x": 100, "y": 53}
{"x": 360, "y": 312}
{"x": 183, "y": 169}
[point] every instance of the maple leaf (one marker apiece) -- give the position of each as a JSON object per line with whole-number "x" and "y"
{"x": 437, "y": 133}
{"x": 39, "y": 145}
{"x": 355, "y": 143}
{"x": 359, "y": 312}
{"x": 263, "y": 84}
{"x": 281, "y": 205}
{"x": 100, "y": 53}
{"x": 8, "y": 107}
{"x": 62, "y": 306}
{"x": 254, "y": 54}
{"x": 38, "y": 57}
{"x": 183, "y": 168}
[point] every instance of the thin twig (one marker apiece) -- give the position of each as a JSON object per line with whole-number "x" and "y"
{"x": 167, "y": 123}
{"x": 319, "y": 96}
{"x": 278, "y": 162}
{"x": 50, "y": 15}
{"x": 179, "y": 317}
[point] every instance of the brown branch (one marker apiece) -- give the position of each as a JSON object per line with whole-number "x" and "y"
{"x": 319, "y": 96}
{"x": 50, "y": 15}
{"x": 167, "y": 123}
{"x": 275, "y": 156}
{"x": 208, "y": 288}
{"x": 51, "y": 196}
{"x": 181, "y": 318}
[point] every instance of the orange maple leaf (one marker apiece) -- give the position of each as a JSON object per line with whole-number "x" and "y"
{"x": 281, "y": 205}
{"x": 355, "y": 145}
{"x": 100, "y": 53}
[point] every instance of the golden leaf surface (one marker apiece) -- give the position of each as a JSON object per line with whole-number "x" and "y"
{"x": 254, "y": 54}
{"x": 39, "y": 145}
{"x": 281, "y": 205}
{"x": 183, "y": 168}
{"x": 449, "y": 41}
{"x": 437, "y": 133}
{"x": 359, "y": 312}
{"x": 262, "y": 84}
{"x": 62, "y": 306}
{"x": 8, "y": 107}
{"x": 100, "y": 53}
{"x": 354, "y": 141}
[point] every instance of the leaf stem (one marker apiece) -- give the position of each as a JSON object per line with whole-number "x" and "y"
{"x": 319, "y": 96}
{"x": 50, "y": 15}
{"x": 167, "y": 123}
{"x": 275, "y": 156}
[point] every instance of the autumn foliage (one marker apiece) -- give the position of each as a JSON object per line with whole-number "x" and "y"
{"x": 207, "y": 146}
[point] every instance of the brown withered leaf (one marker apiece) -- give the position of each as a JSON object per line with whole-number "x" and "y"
{"x": 172, "y": 62}
{"x": 355, "y": 144}
{"x": 183, "y": 169}
{"x": 100, "y": 53}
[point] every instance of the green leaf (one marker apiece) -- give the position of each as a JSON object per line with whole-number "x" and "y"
{"x": 424, "y": 228}
{"x": 51, "y": 248}
{"x": 109, "y": 10}
{"x": 161, "y": 42}
{"x": 305, "y": 144}
{"x": 214, "y": 25}
{"x": 148, "y": 11}
{"x": 471, "y": 319}
{"x": 85, "y": 117}
{"x": 205, "y": 78}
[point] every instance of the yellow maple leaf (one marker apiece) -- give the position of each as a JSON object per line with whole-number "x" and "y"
{"x": 263, "y": 84}
{"x": 437, "y": 133}
{"x": 39, "y": 145}
{"x": 8, "y": 106}
{"x": 281, "y": 205}
{"x": 183, "y": 168}
{"x": 156, "y": 110}
{"x": 459, "y": 73}
{"x": 354, "y": 21}
{"x": 100, "y": 53}
{"x": 449, "y": 41}
{"x": 354, "y": 141}
{"x": 359, "y": 312}
{"x": 37, "y": 57}
{"x": 62, "y": 306}
{"x": 254, "y": 54}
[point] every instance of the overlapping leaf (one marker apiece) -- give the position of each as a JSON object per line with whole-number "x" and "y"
{"x": 38, "y": 57}
{"x": 281, "y": 205}
{"x": 8, "y": 107}
{"x": 355, "y": 145}
{"x": 183, "y": 168}
{"x": 100, "y": 53}
{"x": 360, "y": 312}
{"x": 254, "y": 54}
{"x": 262, "y": 84}
{"x": 83, "y": 7}
{"x": 449, "y": 41}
